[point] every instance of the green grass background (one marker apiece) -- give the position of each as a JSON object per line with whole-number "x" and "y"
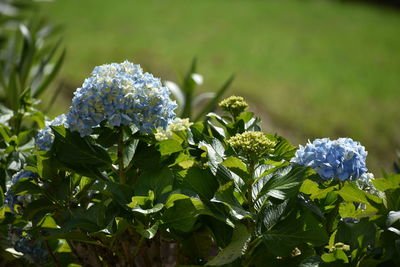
{"x": 311, "y": 68}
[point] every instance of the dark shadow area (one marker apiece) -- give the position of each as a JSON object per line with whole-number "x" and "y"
{"x": 381, "y": 3}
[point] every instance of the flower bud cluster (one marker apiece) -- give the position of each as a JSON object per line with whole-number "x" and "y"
{"x": 252, "y": 144}
{"x": 234, "y": 105}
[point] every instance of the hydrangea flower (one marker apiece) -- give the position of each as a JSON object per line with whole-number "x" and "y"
{"x": 176, "y": 125}
{"x": 121, "y": 94}
{"x": 11, "y": 200}
{"x": 251, "y": 144}
{"x": 32, "y": 251}
{"x": 234, "y": 105}
{"x": 45, "y": 137}
{"x": 342, "y": 159}
{"x": 365, "y": 182}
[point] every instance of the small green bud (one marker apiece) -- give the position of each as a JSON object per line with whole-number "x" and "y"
{"x": 340, "y": 246}
{"x": 234, "y": 104}
{"x": 251, "y": 144}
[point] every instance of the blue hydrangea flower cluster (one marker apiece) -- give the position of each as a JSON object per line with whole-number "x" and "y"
{"x": 121, "y": 94}
{"x": 32, "y": 251}
{"x": 11, "y": 200}
{"x": 342, "y": 159}
{"x": 45, "y": 137}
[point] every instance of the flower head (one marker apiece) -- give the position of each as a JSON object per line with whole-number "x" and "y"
{"x": 45, "y": 137}
{"x": 32, "y": 250}
{"x": 251, "y": 144}
{"x": 342, "y": 159}
{"x": 176, "y": 125}
{"x": 120, "y": 94}
{"x": 234, "y": 105}
{"x": 365, "y": 182}
{"x": 12, "y": 200}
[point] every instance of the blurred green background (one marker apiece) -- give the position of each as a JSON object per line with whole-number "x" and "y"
{"x": 310, "y": 68}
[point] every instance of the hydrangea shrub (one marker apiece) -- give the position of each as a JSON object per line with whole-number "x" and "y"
{"x": 120, "y": 180}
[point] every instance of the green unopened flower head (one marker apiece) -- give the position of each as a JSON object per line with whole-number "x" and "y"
{"x": 234, "y": 105}
{"x": 252, "y": 144}
{"x": 339, "y": 246}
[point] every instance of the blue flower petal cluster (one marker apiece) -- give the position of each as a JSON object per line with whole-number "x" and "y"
{"x": 342, "y": 159}
{"x": 121, "y": 94}
{"x": 11, "y": 200}
{"x": 45, "y": 137}
{"x": 32, "y": 250}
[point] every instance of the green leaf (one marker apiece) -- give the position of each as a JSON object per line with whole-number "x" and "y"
{"x": 200, "y": 181}
{"x": 174, "y": 197}
{"x": 188, "y": 87}
{"x": 122, "y": 193}
{"x": 147, "y": 157}
{"x": 73, "y": 236}
{"x": 42, "y": 87}
{"x": 142, "y": 200}
{"x": 235, "y": 249}
{"x": 350, "y": 233}
{"x": 225, "y": 195}
{"x": 183, "y": 214}
{"x": 129, "y": 151}
{"x": 217, "y": 132}
{"x": 1, "y": 196}
{"x": 36, "y": 206}
{"x": 160, "y": 181}
{"x": 14, "y": 89}
{"x": 337, "y": 255}
{"x": 284, "y": 183}
{"x": 281, "y": 242}
{"x": 26, "y": 187}
{"x": 237, "y": 166}
{"x": 85, "y": 183}
{"x": 350, "y": 192}
{"x": 48, "y": 222}
{"x": 28, "y": 51}
{"x": 197, "y": 245}
{"x": 347, "y": 209}
{"x": 272, "y": 214}
{"x": 311, "y": 188}
{"x": 283, "y": 150}
{"x": 292, "y": 226}
{"x": 393, "y": 217}
{"x": 74, "y": 150}
{"x": 154, "y": 209}
{"x": 215, "y": 152}
{"x": 168, "y": 147}
{"x": 390, "y": 182}
{"x": 148, "y": 233}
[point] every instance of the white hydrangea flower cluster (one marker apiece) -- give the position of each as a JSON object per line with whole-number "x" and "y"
{"x": 177, "y": 125}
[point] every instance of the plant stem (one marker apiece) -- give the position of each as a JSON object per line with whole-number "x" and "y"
{"x": 73, "y": 249}
{"x": 122, "y": 173}
{"x": 249, "y": 193}
{"x": 53, "y": 258}
{"x": 138, "y": 247}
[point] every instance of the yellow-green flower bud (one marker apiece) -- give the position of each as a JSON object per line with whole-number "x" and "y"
{"x": 252, "y": 144}
{"x": 234, "y": 105}
{"x": 340, "y": 246}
